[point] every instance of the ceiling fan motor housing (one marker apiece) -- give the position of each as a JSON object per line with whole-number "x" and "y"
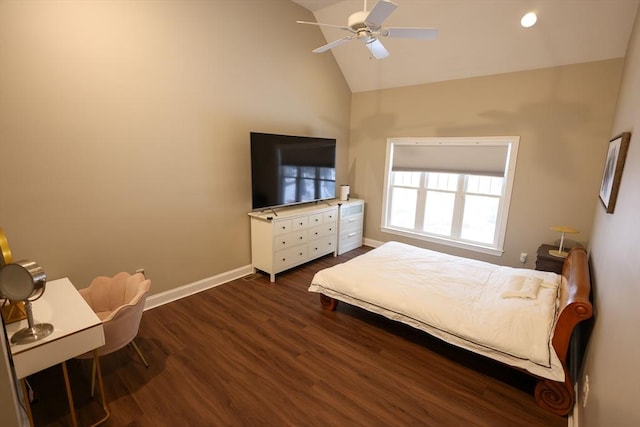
{"x": 357, "y": 20}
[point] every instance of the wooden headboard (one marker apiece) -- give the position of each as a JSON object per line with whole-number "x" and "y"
{"x": 574, "y": 307}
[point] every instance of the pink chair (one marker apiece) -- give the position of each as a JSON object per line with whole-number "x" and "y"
{"x": 118, "y": 301}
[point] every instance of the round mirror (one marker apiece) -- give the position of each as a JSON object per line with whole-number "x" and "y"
{"x": 21, "y": 280}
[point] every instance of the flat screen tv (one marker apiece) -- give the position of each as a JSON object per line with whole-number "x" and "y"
{"x": 287, "y": 170}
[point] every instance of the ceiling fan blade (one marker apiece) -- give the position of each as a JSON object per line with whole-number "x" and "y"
{"x": 377, "y": 49}
{"x": 332, "y": 44}
{"x": 342, "y": 27}
{"x": 379, "y": 13}
{"x": 410, "y": 33}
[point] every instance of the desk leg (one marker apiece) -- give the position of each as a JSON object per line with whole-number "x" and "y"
{"x": 96, "y": 363}
{"x": 27, "y": 404}
{"x": 72, "y": 408}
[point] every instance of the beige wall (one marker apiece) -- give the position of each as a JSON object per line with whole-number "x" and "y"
{"x": 613, "y": 352}
{"x": 124, "y": 128}
{"x": 561, "y": 114}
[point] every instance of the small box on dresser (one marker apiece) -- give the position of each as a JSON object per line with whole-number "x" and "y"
{"x": 350, "y": 225}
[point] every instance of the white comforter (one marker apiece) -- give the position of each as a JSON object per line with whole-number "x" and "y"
{"x": 459, "y": 300}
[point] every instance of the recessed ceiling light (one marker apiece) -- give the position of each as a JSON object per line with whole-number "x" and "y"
{"x": 529, "y": 20}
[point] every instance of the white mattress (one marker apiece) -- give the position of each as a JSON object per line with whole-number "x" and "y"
{"x": 458, "y": 300}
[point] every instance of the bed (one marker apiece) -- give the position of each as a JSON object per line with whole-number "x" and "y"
{"x": 521, "y": 317}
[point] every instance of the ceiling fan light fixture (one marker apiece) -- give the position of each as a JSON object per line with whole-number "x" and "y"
{"x": 529, "y": 20}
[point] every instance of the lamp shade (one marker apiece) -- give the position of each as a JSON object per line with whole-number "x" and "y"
{"x": 560, "y": 253}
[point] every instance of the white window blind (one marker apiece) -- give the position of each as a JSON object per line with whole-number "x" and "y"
{"x": 464, "y": 158}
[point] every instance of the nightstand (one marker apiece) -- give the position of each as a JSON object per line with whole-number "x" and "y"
{"x": 547, "y": 262}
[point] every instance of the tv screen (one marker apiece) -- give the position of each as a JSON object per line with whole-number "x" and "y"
{"x": 287, "y": 169}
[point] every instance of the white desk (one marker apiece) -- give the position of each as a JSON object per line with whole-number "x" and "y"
{"x": 77, "y": 330}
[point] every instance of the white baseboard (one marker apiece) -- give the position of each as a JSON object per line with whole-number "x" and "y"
{"x": 371, "y": 242}
{"x": 572, "y": 418}
{"x": 162, "y": 298}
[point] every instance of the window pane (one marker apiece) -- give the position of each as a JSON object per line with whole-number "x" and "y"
{"x": 403, "y": 210}
{"x": 438, "y": 213}
{"x": 442, "y": 181}
{"x": 484, "y": 185}
{"x": 406, "y": 179}
{"x": 479, "y": 218}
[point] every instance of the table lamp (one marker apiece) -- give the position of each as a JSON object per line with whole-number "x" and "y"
{"x": 25, "y": 281}
{"x": 561, "y": 229}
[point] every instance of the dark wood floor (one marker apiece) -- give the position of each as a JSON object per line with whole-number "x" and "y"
{"x": 252, "y": 353}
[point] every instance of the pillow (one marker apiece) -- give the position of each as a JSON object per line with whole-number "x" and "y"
{"x": 522, "y": 287}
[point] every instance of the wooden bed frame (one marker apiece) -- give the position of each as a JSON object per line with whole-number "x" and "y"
{"x": 574, "y": 307}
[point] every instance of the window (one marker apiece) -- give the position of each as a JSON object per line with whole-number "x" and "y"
{"x": 454, "y": 191}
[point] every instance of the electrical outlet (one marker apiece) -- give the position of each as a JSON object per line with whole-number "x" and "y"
{"x": 523, "y": 257}
{"x": 585, "y": 391}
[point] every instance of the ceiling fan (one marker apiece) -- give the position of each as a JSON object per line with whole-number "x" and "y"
{"x": 366, "y": 26}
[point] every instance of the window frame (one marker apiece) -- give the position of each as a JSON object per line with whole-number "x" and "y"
{"x": 511, "y": 142}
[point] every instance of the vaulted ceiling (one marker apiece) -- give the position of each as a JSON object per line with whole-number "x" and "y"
{"x": 476, "y": 37}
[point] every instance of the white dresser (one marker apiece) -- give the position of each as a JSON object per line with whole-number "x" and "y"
{"x": 351, "y": 217}
{"x": 291, "y": 236}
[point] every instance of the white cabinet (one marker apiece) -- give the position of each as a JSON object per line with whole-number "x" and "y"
{"x": 288, "y": 237}
{"x": 351, "y": 223}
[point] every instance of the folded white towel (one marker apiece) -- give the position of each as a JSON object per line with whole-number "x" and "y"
{"x": 522, "y": 287}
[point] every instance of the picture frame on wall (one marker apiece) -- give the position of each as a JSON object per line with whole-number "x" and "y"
{"x": 612, "y": 174}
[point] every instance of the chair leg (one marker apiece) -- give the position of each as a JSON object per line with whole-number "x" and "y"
{"x": 96, "y": 364}
{"x": 93, "y": 377}
{"x": 137, "y": 349}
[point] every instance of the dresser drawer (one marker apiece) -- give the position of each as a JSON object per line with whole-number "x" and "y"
{"x": 299, "y": 223}
{"x": 281, "y": 227}
{"x": 352, "y": 209}
{"x": 322, "y": 231}
{"x": 351, "y": 239}
{"x": 351, "y": 223}
{"x": 288, "y": 240}
{"x": 290, "y": 257}
{"x": 322, "y": 246}
{"x": 330, "y": 216}
{"x": 316, "y": 219}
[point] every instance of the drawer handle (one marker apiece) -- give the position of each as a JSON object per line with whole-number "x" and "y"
{"x": 351, "y": 234}
{"x": 331, "y": 229}
{"x": 301, "y": 223}
{"x": 284, "y": 243}
{"x": 284, "y": 227}
{"x": 317, "y": 220}
{"x": 316, "y": 233}
{"x": 300, "y": 237}
{"x": 300, "y": 254}
{"x": 284, "y": 259}
{"x": 351, "y": 220}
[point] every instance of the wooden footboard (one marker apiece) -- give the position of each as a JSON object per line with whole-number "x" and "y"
{"x": 574, "y": 307}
